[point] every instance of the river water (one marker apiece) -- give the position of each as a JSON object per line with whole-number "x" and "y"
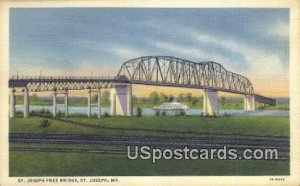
{"x": 149, "y": 111}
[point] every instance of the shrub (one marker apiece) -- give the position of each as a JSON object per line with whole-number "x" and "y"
{"x": 214, "y": 114}
{"x": 60, "y": 114}
{"x": 163, "y": 113}
{"x": 261, "y": 108}
{"x": 43, "y": 112}
{"x": 227, "y": 115}
{"x": 106, "y": 114}
{"x": 194, "y": 101}
{"x": 44, "y": 123}
{"x": 157, "y": 113}
{"x": 19, "y": 114}
{"x": 139, "y": 112}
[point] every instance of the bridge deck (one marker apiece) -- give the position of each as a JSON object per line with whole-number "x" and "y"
{"x": 19, "y": 82}
{"x": 15, "y": 82}
{"x": 265, "y": 100}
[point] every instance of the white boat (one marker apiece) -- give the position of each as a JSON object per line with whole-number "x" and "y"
{"x": 171, "y": 106}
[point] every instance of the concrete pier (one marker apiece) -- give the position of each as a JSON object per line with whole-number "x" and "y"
{"x": 89, "y": 106}
{"x": 99, "y": 104}
{"x": 12, "y": 103}
{"x": 54, "y": 104}
{"x": 249, "y": 103}
{"x": 112, "y": 101}
{"x": 66, "y": 103}
{"x": 121, "y": 101}
{"x": 129, "y": 100}
{"x": 210, "y": 103}
{"x": 26, "y": 102}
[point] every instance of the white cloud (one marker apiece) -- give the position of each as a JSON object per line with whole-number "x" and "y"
{"x": 190, "y": 51}
{"x": 280, "y": 30}
{"x": 126, "y": 53}
{"x": 259, "y": 61}
{"x": 276, "y": 30}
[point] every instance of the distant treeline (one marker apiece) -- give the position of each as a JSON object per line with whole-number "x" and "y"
{"x": 156, "y": 98}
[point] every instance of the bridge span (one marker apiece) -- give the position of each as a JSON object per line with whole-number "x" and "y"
{"x": 147, "y": 70}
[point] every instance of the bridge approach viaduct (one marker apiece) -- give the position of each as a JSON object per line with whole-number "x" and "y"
{"x": 167, "y": 71}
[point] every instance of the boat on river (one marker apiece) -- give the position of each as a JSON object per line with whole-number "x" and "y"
{"x": 171, "y": 106}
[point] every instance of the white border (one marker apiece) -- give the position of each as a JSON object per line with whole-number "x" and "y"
{"x": 293, "y": 179}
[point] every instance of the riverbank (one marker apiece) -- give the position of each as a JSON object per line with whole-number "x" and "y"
{"x": 105, "y": 111}
{"x": 225, "y": 104}
{"x": 270, "y": 126}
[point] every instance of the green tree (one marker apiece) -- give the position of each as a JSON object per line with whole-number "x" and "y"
{"x": 222, "y": 100}
{"x": 141, "y": 100}
{"x": 154, "y": 97}
{"x": 181, "y": 97}
{"x": 194, "y": 101}
{"x": 163, "y": 98}
{"x": 105, "y": 97}
{"x": 19, "y": 99}
{"x": 139, "y": 112}
{"x": 34, "y": 98}
{"x": 94, "y": 98}
{"x": 188, "y": 97}
{"x": 134, "y": 98}
{"x": 171, "y": 98}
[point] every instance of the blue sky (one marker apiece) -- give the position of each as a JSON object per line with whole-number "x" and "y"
{"x": 78, "y": 41}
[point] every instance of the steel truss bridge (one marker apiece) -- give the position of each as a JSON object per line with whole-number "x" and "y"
{"x": 151, "y": 70}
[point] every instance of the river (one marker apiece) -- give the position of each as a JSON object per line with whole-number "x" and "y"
{"x": 149, "y": 111}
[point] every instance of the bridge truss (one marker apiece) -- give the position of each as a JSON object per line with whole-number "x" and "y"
{"x": 151, "y": 70}
{"x": 171, "y": 71}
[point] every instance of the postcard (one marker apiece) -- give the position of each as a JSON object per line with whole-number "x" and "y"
{"x": 132, "y": 93}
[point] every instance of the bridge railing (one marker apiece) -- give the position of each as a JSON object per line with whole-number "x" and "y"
{"x": 61, "y": 77}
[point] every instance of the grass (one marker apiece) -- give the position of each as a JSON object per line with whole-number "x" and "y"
{"x": 90, "y": 164}
{"x": 97, "y": 147}
{"x": 272, "y": 126}
{"x": 72, "y": 146}
{"x": 80, "y": 164}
